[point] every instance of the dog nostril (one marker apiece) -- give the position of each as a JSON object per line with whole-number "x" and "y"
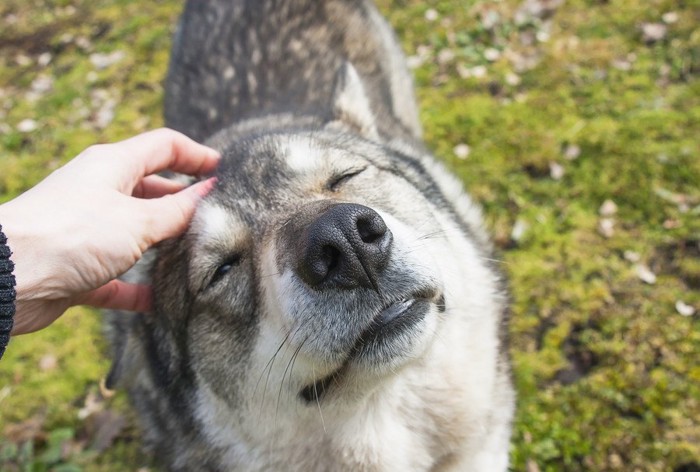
{"x": 371, "y": 229}
{"x": 331, "y": 257}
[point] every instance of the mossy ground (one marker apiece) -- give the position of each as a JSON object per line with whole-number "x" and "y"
{"x": 562, "y": 108}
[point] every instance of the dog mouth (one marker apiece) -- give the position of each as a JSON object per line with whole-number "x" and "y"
{"x": 381, "y": 340}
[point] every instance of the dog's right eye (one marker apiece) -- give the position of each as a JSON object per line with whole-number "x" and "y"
{"x": 224, "y": 269}
{"x": 338, "y": 180}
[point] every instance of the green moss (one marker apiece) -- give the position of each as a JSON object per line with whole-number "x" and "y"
{"x": 606, "y": 369}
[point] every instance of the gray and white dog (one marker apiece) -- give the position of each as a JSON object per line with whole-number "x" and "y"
{"x": 332, "y": 306}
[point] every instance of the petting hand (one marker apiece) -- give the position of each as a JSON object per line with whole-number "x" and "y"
{"x": 91, "y": 220}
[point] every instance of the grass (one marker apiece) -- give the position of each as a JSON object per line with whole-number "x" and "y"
{"x": 573, "y": 109}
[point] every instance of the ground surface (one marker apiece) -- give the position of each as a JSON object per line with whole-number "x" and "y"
{"x": 576, "y": 124}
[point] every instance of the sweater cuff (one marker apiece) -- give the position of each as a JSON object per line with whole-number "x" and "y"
{"x": 7, "y": 293}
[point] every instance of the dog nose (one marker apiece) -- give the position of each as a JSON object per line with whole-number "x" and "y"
{"x": 346, "y": 246}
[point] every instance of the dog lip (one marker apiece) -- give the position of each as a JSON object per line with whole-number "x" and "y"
{"x": 393, "y": 311}
{"x": 395, "y": 316}
{"x": 399, "y": 306}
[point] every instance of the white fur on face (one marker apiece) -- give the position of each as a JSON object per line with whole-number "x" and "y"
{"x": 301, "y": 156}
{"x": 211, "y": 221}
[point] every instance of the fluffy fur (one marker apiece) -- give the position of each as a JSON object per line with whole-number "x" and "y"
{"x": 332, "y": 306}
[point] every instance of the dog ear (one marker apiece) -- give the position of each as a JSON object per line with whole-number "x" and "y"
{"x": 351, "y": 106}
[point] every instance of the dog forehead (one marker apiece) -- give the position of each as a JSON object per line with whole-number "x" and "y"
{"x": 214, "y": 222}
{"x": 302, "y": 155}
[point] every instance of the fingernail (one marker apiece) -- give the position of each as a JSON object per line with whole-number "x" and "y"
{"x": 203, "y": 188}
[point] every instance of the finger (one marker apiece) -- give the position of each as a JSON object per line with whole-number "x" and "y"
{"x": 169, "y": 216}
{"x": 118, "y": 295}
{"x": 155, "y": 186}
{"x": 164, "y": 148}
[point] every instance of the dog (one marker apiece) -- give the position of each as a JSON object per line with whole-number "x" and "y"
{"x": 333, "y": 305}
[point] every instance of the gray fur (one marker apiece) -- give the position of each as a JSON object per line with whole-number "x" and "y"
{"x": 245, "y": 365}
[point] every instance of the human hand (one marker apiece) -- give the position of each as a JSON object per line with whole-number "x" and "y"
{"x": 92, "y": 219}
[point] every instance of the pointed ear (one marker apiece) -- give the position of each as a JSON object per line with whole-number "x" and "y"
{"x": 351, "y": 107}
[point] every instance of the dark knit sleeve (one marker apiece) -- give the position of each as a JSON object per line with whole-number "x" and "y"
{"x": 7, "y": 293}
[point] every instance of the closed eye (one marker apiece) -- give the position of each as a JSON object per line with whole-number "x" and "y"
{"x": 338, "y": 180}
{"x": 225, "y": 267}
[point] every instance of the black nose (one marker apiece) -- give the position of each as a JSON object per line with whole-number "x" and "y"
{"x": 347, "y": 246}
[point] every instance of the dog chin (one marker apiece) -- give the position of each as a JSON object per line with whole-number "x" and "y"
{"x": 399, "y": 334}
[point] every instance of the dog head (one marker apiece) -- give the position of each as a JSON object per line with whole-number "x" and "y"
{"x": 321, "y": 266}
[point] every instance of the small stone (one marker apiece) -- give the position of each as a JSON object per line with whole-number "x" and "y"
{"x": 66, "y": 38}
{"x": 622, "y": 64}
{"x": 23, "y": 60}
{"x": 462, "y": 151}
{"x": 513, "y": 79}
{"x": 27, "y": 125}
{"x": 632, "y": 256}
{"x": 519, "y": 229}
{"x": 571, "y": 152}
{"x": 684, "y": 309}
{"x": 477, "y": 72}
{"x": 556, "y": 171}
{"x": 670, "y": 17}
{"x": 542, "y": 36}
{"x": 431, "y": 14}
{"x": 42, "y": 84}
{"x": 44, "y": 59}
{"x": 83, "y": 43}
{"x": 645, "y": 274}
{"x": 492, "y": 54}
{"x": 105, "y": 115}
{"x": 532, "y": 466}
{"x": 653, "y": 32}
{"x": 445, "y": 56}
{"x": 490, "y": 19}
{"x": 48, "y": 362}
{"x": 608, "y": 208}
{"x": 671, "y": 223}
{"x": 102, "y": 61}
{"x": 606, "y": 227}
{"x": 615, "y": 461}
{"x": 463, "y": 71}
{"x": 414, "y": 62}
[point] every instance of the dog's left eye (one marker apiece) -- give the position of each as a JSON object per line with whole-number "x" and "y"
{"x": 338, "y": 180}
{"x": 225, "y": 268}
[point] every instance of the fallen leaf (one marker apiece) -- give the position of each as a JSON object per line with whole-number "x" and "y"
{"x": 556, "y": 170}
{"x": 103, "y": 428}
{"x": 26, "y": 430}
{"x": 606, "y": 227}
{"x": 48, "y": 362}
{"x": 608, "y": 208}
{"x": 462, "y": 150}
{"x": 653, "y": 32}
{"x": 684, "y": 309}
{"x": 645, "y": 274}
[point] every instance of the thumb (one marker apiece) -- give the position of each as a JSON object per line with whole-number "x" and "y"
{"x": 118, "y": 295}
{"x": 168, "y": 216}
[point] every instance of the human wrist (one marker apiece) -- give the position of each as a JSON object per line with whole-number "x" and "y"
{"x": 7, "y": 292}
{"x": 25, "y": 235}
